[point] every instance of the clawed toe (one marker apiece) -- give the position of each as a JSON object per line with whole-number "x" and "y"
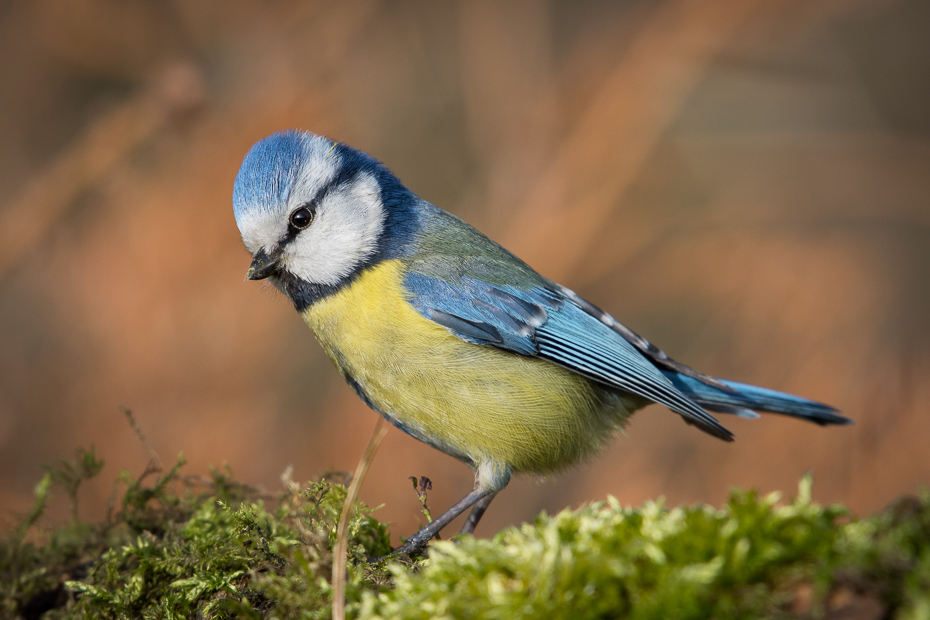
{"x": 412, "y": 548}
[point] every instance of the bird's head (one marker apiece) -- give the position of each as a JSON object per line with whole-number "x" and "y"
{"x": 313, "y": 212}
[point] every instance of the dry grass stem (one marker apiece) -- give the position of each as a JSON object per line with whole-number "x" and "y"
{"x": 342, "y": 531}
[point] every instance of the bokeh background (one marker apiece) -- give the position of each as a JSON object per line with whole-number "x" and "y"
{"x": 744, "y": 182}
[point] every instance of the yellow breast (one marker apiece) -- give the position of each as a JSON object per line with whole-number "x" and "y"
{"x": 477, "y": 403}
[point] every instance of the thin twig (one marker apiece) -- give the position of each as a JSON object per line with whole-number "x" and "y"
{"x": 154, "y": 464}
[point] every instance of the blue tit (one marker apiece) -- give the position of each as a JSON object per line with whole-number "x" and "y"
{"x": 449, "y": 336}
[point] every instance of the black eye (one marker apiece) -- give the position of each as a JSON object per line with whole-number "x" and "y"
{"x": 302, "y": 217}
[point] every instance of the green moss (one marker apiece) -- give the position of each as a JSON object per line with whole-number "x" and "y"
{"x": 185, "y": 547}
{"x": 607, "y": 561}
{"x": 752, "y": 559}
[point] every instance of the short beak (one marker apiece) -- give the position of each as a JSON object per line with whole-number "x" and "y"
{"x": 263, "y": 264}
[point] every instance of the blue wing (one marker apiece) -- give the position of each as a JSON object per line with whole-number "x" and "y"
{"x": 487, "y": 296}
{"x": 549, "y": 323}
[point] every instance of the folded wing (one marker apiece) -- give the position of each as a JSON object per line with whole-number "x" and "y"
{"x": 544, "y": 322}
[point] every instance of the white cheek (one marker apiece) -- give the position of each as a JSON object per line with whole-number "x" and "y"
{"x": 343, "y": 234}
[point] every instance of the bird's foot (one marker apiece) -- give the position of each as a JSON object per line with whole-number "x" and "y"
{"x": 413, "y": 547}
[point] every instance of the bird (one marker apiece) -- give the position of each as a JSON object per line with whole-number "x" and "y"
{"x": 449, "y": 336}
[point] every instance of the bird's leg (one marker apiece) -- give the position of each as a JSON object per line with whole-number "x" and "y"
{"x": 490, "y": 478}
{"x": 415, "y": 545}
{"x": 476, "y": 513}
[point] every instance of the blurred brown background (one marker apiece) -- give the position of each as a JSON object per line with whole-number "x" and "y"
{"x": 744, "y": 182}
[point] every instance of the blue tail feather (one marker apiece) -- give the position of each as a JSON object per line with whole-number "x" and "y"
{"x": 746, "y": 399}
